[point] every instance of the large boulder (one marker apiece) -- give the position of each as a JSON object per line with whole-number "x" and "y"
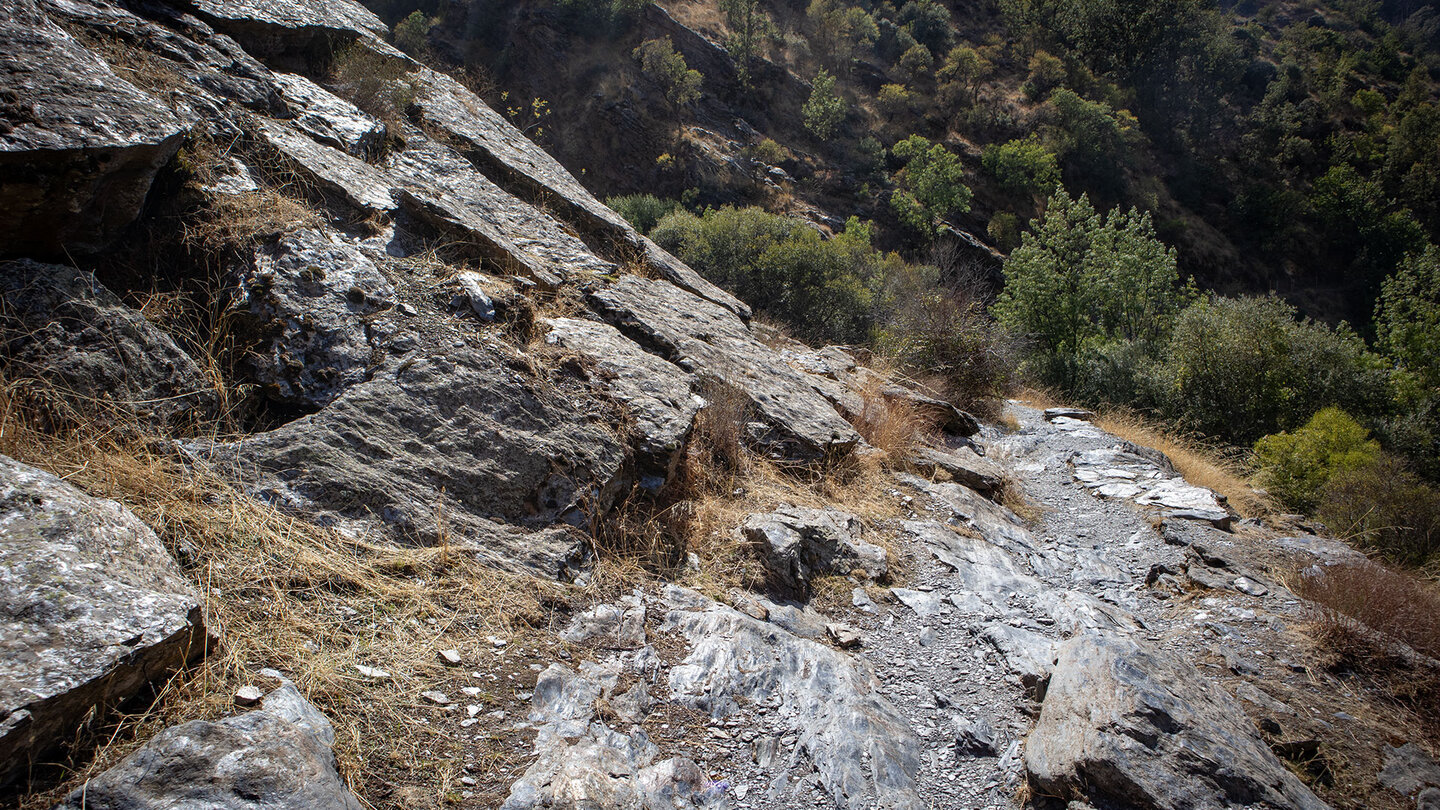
{"x": 656, "y": 394}
{"x": 92, "y": 608}
{"x": 106, "y": 362}
{"x": 444, "y": 446}
{"x": 303, "y": 305}
{"x": 799, "y": 544}
{"x": 79, "y": 146}
{"x": 333, "y": 172}
{"x": 329, "y": 119}
{"x": 277, "y": 757}
{"x": 709, "y": 340}
{"x": 294, "y": 34}
{"x": 1127, "y": 725}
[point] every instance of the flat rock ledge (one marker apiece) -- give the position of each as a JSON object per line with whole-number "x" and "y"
{"x": 92, "y": 608}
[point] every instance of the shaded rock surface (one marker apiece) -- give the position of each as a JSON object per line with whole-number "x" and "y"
{"x": 800, "y": 544}
{"x": 79, "y": 146}
{"x": 60, "y": 325}
{"x": 92, "y": 609}
{"x": 305, "y": 301}
{"x": 1122, "y": 723}
{"x": 277, "y": 756}
{"x": 707, "y": 339}
{"x": 456, "y": 437}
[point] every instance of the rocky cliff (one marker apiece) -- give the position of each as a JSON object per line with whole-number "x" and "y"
{"x": 430, "y": 441}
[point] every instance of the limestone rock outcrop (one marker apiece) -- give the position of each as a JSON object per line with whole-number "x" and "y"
{"x": 79, "y": 145}
{"x": 276, "y": 757}
{"x": 800, "y": 544}
{"x": 62, "y": 326}
{"x": 1123, "y": 723}
{"x": 92, "y": 608}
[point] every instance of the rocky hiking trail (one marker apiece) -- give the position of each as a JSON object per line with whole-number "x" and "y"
{"x": 1113, "y": 653}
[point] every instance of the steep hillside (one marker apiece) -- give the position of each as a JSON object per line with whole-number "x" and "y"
{"x": 1279, "y": 146}
{"x": 352, "y": 454}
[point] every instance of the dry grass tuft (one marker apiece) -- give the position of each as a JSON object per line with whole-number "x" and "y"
{"x": 311, "y": 603}
{"x": 1200, "y": 464}
{"x": 892, "y": 425}
{"x": 1363, "y": 611}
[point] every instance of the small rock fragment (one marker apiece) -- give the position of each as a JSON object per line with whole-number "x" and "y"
{"x": 843, "y": 634}
{"x": 438, "y": 698}
{"x": 248, "y": 695}
{"x": 451, "y": 658}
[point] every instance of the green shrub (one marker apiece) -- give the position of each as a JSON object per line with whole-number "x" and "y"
{"x": 659, "y": 59}
{"x": 412, "y": 33}
{"x": 1079, "y": 281}
{"x": 1242, "y": 368}
{"x": 1295, "y": 467}
{"x": 1385, "y": 507}
{"x": 642, "y": 210}
{"x": 825, "y": 109}
{"x": 1022, "y": 166}
{"x": 894, "y": 99}
{"x": 916, "y": 62}
{"x": 946, "y": 332}
{"x": 825, "y": 289}
{"x": 1046, "y": 74}
{"x": 930, "y": 187}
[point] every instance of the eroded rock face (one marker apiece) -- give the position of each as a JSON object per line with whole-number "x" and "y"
{"x": 864, "y": 752}
{"x": 328, "y": 118}
{"x": 706, "y": 339}
{"x": 92, "y": 608}
{"x": 294, "y": 33}
{"x": 79, "y": 146}
{"x": 656, "y": 393}
{"x": 305, "y": 302}
{"x": 799, "y": 544}
{"x": 62, "y": 326}
{"x": 276, "y": 757}
{"x": 1123, "y": 723}
{"x": 453, "y": 442}
{"x": 360, "y": 185}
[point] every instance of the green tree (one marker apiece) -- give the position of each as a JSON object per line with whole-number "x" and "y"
{"x": 1022, "y": 166}
{"x": 749, "y": 25}
{"x": 929, "y": 22}
{"x": 964, "y": 69}
{"x": 840, "y": 31}
{"x": 930, "y": 186}
{"x": 825, "y": 109}
{"x": 916, "y": 62}
{"x": 412, "y": 33}
{"x": 1080, "y": 280}
{"x": 1407, "y": 319}
{"x": 1089, "y": 137}
{"x": 1047, "y": 72}
{"x": 659, "y": 59}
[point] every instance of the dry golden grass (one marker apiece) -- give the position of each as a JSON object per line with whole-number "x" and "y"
{"x": 1200, "y": 464}
{"x": 894, "y": 426}
{"x": 285, "y": 594}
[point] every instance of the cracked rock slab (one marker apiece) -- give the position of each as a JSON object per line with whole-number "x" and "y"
{"x": 706, "y": 339}
{"x": 277, "y": 757}
{"x": 1125, "y": 723}
{"x": 92, "y": 608}
{"x": 799, "y": 544}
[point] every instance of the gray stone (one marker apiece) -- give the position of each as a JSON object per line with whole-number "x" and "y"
{"x": 300, "y": 34}
{"x": 1429, "y": 799}
{"x": 1409, "y": 770}
{"x": 864, "y": 753}
{"x": 800, "y": 544}
{"x": 106, "y": 362}
{"x": 329, "y": 119}
{"x": 441, "y": 187}
{"x": 966, "y": 467}
{"x": 524, "y": 169}
{"x": 247, "y": 696}
{"x": 92, "y": 608}
{"x": 470, "y": 295}
{"x": 996, "y": 523}
{"x": 303, "y": 306}
{"x": 942, "y": 413}
{"x": 79, "y": 146}
{"x": 976, "y": 738}
{"x": 582, "y": 762}
{"x": 277, "y": 756}
{"x": 709, "y": 340}
{"x": 924, "y": 603}
{"x": 360, "y": 185}
{"x": 1051, "y": 414}
{"x": 442, "y": 446}
{"x": 617, "y": 627}
{"x": 982, "y": 567}
{"x": 1029, "y": 655}
{"x": 656, "y": 394}
{"x": 1127, "y": 724}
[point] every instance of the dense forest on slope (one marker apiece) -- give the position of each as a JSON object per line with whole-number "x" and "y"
{"x": 1277, "y": 145}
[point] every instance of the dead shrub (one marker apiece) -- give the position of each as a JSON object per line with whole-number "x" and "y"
{"x": 715, "y": 456}
{"x": 376, "y": 83}
{"x": 1384, "y": 507}
{"x": 893, "y": 425}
